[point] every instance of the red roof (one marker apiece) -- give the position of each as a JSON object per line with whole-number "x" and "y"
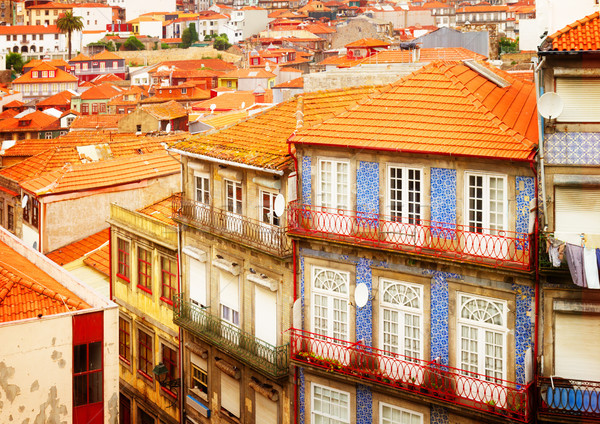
{"x": 582, "y": 35}
{"x": 78, "y": 249}
{"x": 28, "y": 29}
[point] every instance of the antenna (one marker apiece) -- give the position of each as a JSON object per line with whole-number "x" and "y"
{"x": 550, "y": 105}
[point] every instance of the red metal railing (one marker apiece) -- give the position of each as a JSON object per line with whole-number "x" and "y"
{"x": 569, "y": 398}
{"x": 453, "y": 385}
{"x": 507, "y": 249}
{"x": 247, "y": 231}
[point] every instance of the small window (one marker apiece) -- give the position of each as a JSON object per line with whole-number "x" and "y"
{"x": 144, "y": 270}
{"x": 48, "y": 135}
{"x": 124, "y": 340}
{"x": 168, "y": 272}
{"x": 35, "y": 213}
{"x": 27, "y": 211}
{"x": 145, "y": 349}
{"x": 184, "y": 91}
{"x": 202, "y": 189}
{"x": 10, "y": 218}
{"x": 123, "y": 258}
{"x": 169, "y": 360}
{"x": 87, "y": 374}
{"x": 138, "y": 127}
{"x": 199, "y": 379}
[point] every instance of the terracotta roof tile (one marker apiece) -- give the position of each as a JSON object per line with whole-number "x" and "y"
{"x": 80, "y": 58}
{"x": 26, "y": 291}
{"x": 28, "y": 29}
{"x": 222, "y": 120}
{"x": 100, "y": 92}
{"x": 60, "y": 76}
{"x": 367, "y": 42}
{"x": 100, "y": 259}
{"x": 106, "y": 55}
{"x": 59, "y": 99}
{"x": 227, "y": 101}
{"x": 161, "y": 210}
{"x": 582, "y": 35}
{"x": 96, "y": 121}
{"x": 295, "y": 83}
{"x": 32, "y": 121}
{"x": 426, "y": 55}
{"x": 78, "y": 249}
{"x": 444, "y": 108}
{"x": 165, "y": 111}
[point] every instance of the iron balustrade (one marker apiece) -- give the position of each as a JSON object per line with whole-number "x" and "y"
{"x": 98, "y": 70}
{"x": 258, "y": 354}
{"x": 452, "y": 385}
{"x": 569, "y": 398}
{"x": 247, "y": 231}
{"x": 498, "y": 248}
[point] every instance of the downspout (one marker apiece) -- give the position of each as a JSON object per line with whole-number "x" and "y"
{"x": 537, "y": 74}
{"x": 536, "y": 241}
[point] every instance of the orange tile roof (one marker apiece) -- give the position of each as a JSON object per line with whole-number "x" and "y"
{"x": 26, "y": 291}
{"x": 96, "y": 121}
{"x": 582, "y": 35}
{"x": 249, "y": 73}
{"x": 61, "y": 76}
{"x": 485, "y": 8}
{"x": 100, "y": 259}
{"x": 161, "y": 210}
{"x": 295, "y": 83}
{"x": 227, "y": 101}
{"x": 106, "y": 78}
{"x": 53, "y": 62}
{"x": 78, "y": 249}
{"x": 426, "y": 55}
{"x": 214, "y": 64}
{"x": 14, "y": 103}
{"x": 107, "y": 173}
{"x": 222, "y": 120}
{"x": 28, "y": 29}
{"x": 38, "y": 121}
{"x": 261, "y": 139}
{"x": 166, "y": 111}
{"x": 9, "y": 113}
{"x": 80, "y": 58}
{"x": 444, "y": 108}
{"x": 59, "y": 99}
{"x": 367, "y": 42}
{"x": 106, "y": 55}
{"x": 51, "y": 5}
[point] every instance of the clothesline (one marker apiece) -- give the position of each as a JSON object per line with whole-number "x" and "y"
{"x": 583, "y": 262}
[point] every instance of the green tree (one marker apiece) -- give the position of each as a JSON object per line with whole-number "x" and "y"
{"x": 193, "y": 32}
{"x": 69, "y": 23}
{"x": 133, "y": 43}
{"x": 15, "y": 60}
{"x": 221, "y": 42}
{"x": 186, "y": 38}
{"x": 508, "y": 45}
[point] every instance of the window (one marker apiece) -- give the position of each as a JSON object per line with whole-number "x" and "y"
{"x": 35, "y": 213}
{"x": 10, "y": 218}
{"x": 330, "y": 303}
{"x": 229, "y": 298}
{"x": 145, "y": 349}
{"x": 267, "y": 208}
{"x": 401, "y": 318}
{"x": 103, "y": 107}
{"x": 145, "y": 270}
{"x": 389, "y": 414}
{"x": 27, "y": 210}
{"x": 234, "y": 196}
{"x": 334, "y": 188}
{"x": 94, "y": 108}
{"x": 34, "y": 74}
{"x": 124, "y": 340}
{"x": 202, "y": 189}
{"x": 230, "y": 395}
{"x": 169, "y": 359}
{"x": 115, "y": 64}
{"x": 486, "y": 206}
{"x": 168, "y": 271}
{"x": 44, "y": 74}
{"x": 199, "y": 378}
{"x": 404, "y": 194}
{"x": 123, "y": 259}
{"x": 85, "y": 108}
{"x": 184, "y": 91}
{"x": 87, "y": 373}
{"x": 48, "y": 135}
{"x": 329, "y": 405}
{"x": 1, "y": 212}
{"x": 482, "y": 336}
{"x": 138, "y": 128}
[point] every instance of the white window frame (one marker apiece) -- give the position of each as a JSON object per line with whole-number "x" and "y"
{"x": 403, "y": 311}
{"x": 205, "y": 190}
{"x": 331, "y": 297}
{"x": 481, "y": 327}
{"x": 333, "y": 394}
{"x": 271, "y": 218}
{"x": 234, "y": 199}
{"x": 414, "y": 414}
{"x": 404, "y": 215}
{"x": 336, "y": 191}
{"x": 486, "y": 225}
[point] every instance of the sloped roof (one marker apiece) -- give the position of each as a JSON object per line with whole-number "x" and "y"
{"x": 62, "y": 98}
{"x": 39, "y": 120}
{"x": 581, "y": 35}
{"x": 261, "y": 140}
{"x": 222, "y": 120}
{"x": 367, "y": 42}
{"x": 165, "y": 111}
{"x": 426, "y": 55}
{"x": 96, "y": 121}
{"x": 14, "y": 103}
{"x": 161, "y": 210}
{"x": 26, "y": 291}
{"x": 80, "y": 248}
{"x": 60, "y": 76}
{"x": 100, "y": 92}
{"x": 295, "y": 83}
{"x": 80, "y": 58}
{"x": 100, "y": 259}
{"x": 249, "y": 73}
{"x": 106, "y": 78}
{"x": 444, "y": 108}
{"x": 227, "y": 101}
{"x": 106, "y": 55}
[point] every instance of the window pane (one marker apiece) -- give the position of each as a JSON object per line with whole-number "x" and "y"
{"x": 95, "y": 356}
{"x": 80, "y": 389}
{"x": 95, "y": 387}
{"x": 80, "y": 358}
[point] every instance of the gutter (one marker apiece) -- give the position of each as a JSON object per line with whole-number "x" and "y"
{"x": 225, "y": 162}
{"x": 537, "y": 73}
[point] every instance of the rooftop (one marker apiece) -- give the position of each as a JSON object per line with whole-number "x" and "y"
{"x": 582, "y": 35}
{"x": 79, "y": 249}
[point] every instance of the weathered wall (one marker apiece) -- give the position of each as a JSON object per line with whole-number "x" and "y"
{"x": 152, "y": 57}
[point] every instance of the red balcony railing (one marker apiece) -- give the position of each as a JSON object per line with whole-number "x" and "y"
{"x": 452, "y": 385}
{"x": 559, "y": 397}
{"x": 497, "y": 248}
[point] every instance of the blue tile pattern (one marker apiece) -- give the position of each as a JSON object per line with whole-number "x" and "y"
{"x": 443, "y": 199}
{"x": 523, "y": 328}
{"x": 302, "y": 289}
{"x": 367, "y": 193}
{"x": 364, "y": 315}
{"x": 524, "y": 196}
{"x": 306, "y": 180}
{"x": 439, "y": 314}
{"x": 572, "y": 148}
{"x": 301, "y": 396}
{"x": 439, "y": 415}
{"x": 364, "y": 405}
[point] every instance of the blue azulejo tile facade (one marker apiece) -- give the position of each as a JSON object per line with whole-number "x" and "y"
{"x": 364, "y": 315}
{"x": 524, "y": 328}
{"x": 364, "y": 405}
{"x": 525, "y": 192}
{"x": 572, "y": 148}
{"x": 439, "y": 415}
{"x": 443, "y": 199}
{"x": 306, "y": 180}
{"x": 367, "y": 193}
{"x": 301, "y": 395}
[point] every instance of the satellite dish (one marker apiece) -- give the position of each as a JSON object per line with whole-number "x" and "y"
{"x": 361, "y": 295}
{"x": 279, "y": 207}
{"x": 550, "y": 105}
{"x": 169, "y": 127}
{"x": 24, "y": 201}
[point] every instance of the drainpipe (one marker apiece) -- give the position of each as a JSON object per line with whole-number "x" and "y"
{"x": 537, "y": 73}
{"x": 536, "y": 241}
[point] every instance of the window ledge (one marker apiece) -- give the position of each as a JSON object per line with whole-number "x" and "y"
{"x": 122, "y": 277}
{"x": 167, "y": 301}
{"x": 223, "y": 413}
{"x": 145, "y": 376}
{"x": 199, "y": 394}
{"x": 145, "y": 289}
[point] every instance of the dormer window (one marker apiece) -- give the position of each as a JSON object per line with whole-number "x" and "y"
{"x": 34, "y": 74}
{"x": 44, "y": 74}
{"x": 51, "y": 74}
{"x": 24, "y": 122}
{"x": 184, "y": 91}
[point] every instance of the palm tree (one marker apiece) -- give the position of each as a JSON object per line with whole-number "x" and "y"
{"x": 69, "y": 23}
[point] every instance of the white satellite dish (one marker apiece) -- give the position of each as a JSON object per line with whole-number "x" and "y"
{"x": 169, "y": 127}
{"x": 24, "y": 201}
{"x": 279, "y": 206}
{"x": 361, "y": 295}
{"x": 550, "y": 105}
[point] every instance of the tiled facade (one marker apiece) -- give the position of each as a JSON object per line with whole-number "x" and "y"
{"x": 364, "y": 405}
{"x": 364, "y": 315}
{"x": 572, "y": 148}
{"x": 525, "y": 192}
{"x": 439, "y": 415}
{"x": 524, "y": 328}
{"x": 306, "y": 180}
{"x": 367, "y": 190}
{"x": 443, "y": 197}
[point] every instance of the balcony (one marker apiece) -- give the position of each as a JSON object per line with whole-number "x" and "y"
{"x": 249, "y": 232}
{"x": 497, "y": 399}
{"x": 505, "y": 249}
{"x": 259, "y": 355}
{"x": 564, "y": 399}
{"x": 94, "y": 71}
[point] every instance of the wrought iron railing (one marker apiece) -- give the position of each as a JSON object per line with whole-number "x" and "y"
{"x": 559, "y": 397}
{"x": 498, "y": 248}
{"x": 246, "y": 231}
{"x": 452, "y": 385}
{"x": 258, "y": 354}
{"x": 98, "y": 70}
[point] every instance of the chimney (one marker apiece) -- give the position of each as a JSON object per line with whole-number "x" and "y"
{"x": 259, "y": 95}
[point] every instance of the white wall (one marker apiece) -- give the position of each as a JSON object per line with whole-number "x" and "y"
{"x": 94, "y": 18}
{"x": 135, "y": 8}
{"x": 151, "y": 28}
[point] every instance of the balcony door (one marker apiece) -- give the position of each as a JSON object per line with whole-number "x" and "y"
{"x": 333, "y": 198}
{"x": 270, "y": 233}
{"x": 486, "y": 214}
{"x": 403, "y": 207}
{"x": 265, "y": 315}
{"x": 229, "y": 305}
{"x": 202, "y": 188}
{"x": 233, "y": 198}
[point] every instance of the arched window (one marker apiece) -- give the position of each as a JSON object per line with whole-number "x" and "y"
{"x": 330, "y": 302}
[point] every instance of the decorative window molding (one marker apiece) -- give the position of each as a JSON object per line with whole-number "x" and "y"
{"x": 228, "y": 266}
{"x": 263, "y": 280}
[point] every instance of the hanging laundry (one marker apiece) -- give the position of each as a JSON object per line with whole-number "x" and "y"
{"x": 555, "y": 249}
{"x": 574, "y": 255}
{"x": 598, "y": 257}
{"x": 590, "y": 264}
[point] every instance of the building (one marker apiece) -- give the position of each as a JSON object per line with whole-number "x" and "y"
{"x": 29, "y": 124}
{"x": 87, "y": 68}
{"x": 413, "y": 242}
{"x": 568, "y": 201}
{"x": 155, "y": 118}
{"x": 46, "y": 13}
{"x": 135, "y": 8}
{"x": 483, "y": 14}
{"x": 248, "y": 79}
{"x": 44, "y": 81}
{"x": 59, "y": 364}
{"x": 95, "y": 99}
{"x": 32, "y": 39}
{"x": 145, "y": 280}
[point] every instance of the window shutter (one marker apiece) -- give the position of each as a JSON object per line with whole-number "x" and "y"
{"x": 230, "y": 394}
{"x": 576, "y": 344}
{"x": 265, "y": 315}
{"x": 198, "y": 281}
{"x": 229, "y": 290}
{"x": 576, "y": 211}
{"x": 580, "y": 97}
{"x": 266, "y": 409}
